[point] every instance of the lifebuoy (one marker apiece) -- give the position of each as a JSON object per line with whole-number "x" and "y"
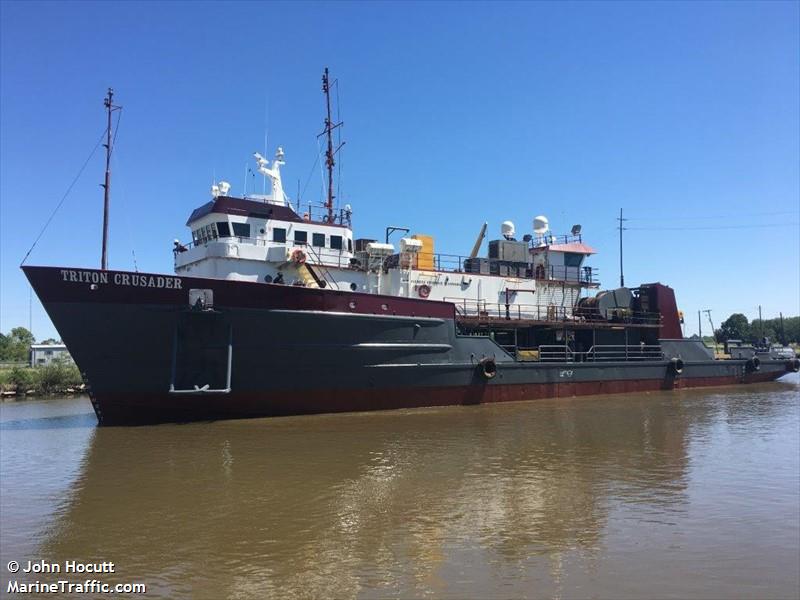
{"x": 676, "y": 365}
{"x": 424, "y": 290}
{"x": 753, "y": 364}
{"x": 487, "y": 368}
{"x": 298, "y": 256}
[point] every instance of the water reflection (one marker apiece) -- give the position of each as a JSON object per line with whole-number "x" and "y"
{"x": 530, "y": 499}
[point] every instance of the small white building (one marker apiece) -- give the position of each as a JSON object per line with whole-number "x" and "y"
{"x": 44, "y": 354}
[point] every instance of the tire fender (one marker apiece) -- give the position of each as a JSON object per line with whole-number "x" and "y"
{"x": 487, "y": 368}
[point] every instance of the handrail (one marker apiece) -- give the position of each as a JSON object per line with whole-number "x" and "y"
{"x": 341, "y": 260}
{"x": 326, "y": 275}
{"x": 448, "y": 263}
{"x": 492, "y": 266}
{"x": 318, "y": 213}
{"x": 482, "y": 309}
{"x": 600, "y": 353}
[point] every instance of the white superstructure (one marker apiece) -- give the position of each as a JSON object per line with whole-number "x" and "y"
{"x": 269, "y": 239}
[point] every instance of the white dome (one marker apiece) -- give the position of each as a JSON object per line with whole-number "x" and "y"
{"x": 540, "y": 224}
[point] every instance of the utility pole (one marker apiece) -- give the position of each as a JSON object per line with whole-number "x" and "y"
{"x": 713, "y": 332}
{"x": 621, "y": 229}
{"x": 760, "y": 322}
{"x": 783, "y": 332}
{"x": 699, "y": 326}
{"x": 107, "y": 185}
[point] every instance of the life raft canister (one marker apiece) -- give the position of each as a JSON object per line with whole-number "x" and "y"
{"x": 424, "y": 290}
{"x": 487, "y": 368}
{"x": 676, "y": 365}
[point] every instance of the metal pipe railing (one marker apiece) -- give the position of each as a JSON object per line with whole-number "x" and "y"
{"x": 483, "y": 309}
{"x": 600, "y": 353}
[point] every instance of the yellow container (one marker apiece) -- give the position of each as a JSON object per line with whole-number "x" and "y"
{"x": 528, "y": 355}
{"x": 425, "y": 255}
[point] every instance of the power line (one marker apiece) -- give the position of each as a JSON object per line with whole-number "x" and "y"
{"x": 705, "y": 217}
{"x": 712, "y": 228}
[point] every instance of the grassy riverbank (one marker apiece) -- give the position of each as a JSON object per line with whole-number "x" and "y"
{"x": 54, "y": 378}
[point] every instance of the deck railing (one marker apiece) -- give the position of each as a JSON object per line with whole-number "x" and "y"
{"x": 455, "y": 263}
{"x": 482, "y": 309}
{"x": 600, "y": 353}
{"x": 448, "y": 263}
{"x": 332, "y": 257}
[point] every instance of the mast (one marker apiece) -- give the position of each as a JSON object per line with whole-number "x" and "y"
{"x": 329, "y": 127}
{"x": 107, "y": 185}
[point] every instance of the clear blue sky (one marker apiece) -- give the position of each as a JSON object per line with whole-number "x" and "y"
{"x": 684, "y": 114}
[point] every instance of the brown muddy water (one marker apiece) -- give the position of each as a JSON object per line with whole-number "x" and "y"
{"x": 689, "y": 494}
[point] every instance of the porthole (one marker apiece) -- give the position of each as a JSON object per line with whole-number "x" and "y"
{"x": 353, "y": 287}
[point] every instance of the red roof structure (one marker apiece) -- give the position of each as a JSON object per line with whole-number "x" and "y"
{"x": 578, "y": 247}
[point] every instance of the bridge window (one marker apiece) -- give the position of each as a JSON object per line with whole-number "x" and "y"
{"x": 349, "y": 245}
{"x": 572, "y": 259}
{"x": 224, "y": 229}
{"x": 318, "y": 240}
{"x": 279, "y": 235}
{"x": 205, "y": 234}
{"x": 300, "y": 237}
{"x": 241, "y": 230}
{"x": 336, "y": 242}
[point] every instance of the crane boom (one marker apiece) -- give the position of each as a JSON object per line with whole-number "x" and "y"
{"x": 477, "y": 247}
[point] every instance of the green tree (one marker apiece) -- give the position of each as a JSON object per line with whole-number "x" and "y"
{"x": 16, "y": 345}
{"x": 734, "y": 327}
{"x": 791, "y": 329}
{"x": 791, "y": 326}
{"x": 22, "y": 336}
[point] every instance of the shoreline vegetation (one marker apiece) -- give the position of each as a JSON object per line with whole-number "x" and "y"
{"x": 59, "y": 377}
{"x": 18, "y": 379}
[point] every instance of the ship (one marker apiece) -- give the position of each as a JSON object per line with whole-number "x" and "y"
{"x": 275, "y": 308}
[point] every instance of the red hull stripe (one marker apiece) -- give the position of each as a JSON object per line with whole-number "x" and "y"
{"x": 128, "y": 408}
